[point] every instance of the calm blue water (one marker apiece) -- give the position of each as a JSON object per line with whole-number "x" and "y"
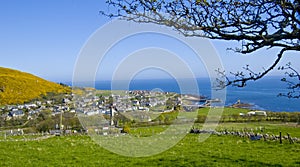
{"x": 262, "y": 94}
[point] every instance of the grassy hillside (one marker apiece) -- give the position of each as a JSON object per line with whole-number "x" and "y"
{"x": 18, "y": 87}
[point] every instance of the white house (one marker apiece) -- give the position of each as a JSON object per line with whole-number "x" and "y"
{"x": 257, "y": 113}
{"x": 18, "y": 113}
{"x": 251, "y": 113}
{"x": 261, "y": 113}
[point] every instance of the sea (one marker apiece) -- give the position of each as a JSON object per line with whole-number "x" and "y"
{"x": 261, "y": 94}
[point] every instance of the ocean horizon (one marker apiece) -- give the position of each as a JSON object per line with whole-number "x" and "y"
{"x": 261, "y": 94}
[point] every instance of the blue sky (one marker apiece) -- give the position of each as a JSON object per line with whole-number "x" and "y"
{"x": 45, "y": 37}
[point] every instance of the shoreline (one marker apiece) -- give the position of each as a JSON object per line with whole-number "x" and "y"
{"x": 243, "y": 104}
{"x": 262, "y": 95}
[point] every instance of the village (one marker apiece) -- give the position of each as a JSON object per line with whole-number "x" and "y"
{"x": 138, "y": 105}
{"x": 114, "y": 112}
{"x": 89, "y": 103}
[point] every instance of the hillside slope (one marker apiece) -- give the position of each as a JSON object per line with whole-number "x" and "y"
{"x": 18, "y": 87}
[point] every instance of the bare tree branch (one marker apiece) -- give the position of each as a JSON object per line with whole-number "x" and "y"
{"x": 293, "y": 81}
{"x": 255, "y": 23}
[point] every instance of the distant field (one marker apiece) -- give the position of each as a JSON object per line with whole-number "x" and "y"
{"x": 215, "y": 151}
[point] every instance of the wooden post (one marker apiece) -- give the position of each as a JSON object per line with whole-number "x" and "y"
{"x": 280, "y": 138}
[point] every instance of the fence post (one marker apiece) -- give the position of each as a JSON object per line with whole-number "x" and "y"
{"x": 280, "y": 137}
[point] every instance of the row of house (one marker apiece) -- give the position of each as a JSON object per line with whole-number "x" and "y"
{"x": 34, "y": 108}
{"x": 131, "y": 101}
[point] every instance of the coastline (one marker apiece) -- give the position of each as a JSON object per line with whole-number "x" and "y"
{"x": 262, "y": 95}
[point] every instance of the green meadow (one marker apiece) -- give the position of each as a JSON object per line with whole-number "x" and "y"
{"x": 223, "y": 150}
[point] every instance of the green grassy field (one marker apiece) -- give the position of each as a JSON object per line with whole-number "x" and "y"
{"x": 224, "y": 150}
{"x": 215, "y": 151}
